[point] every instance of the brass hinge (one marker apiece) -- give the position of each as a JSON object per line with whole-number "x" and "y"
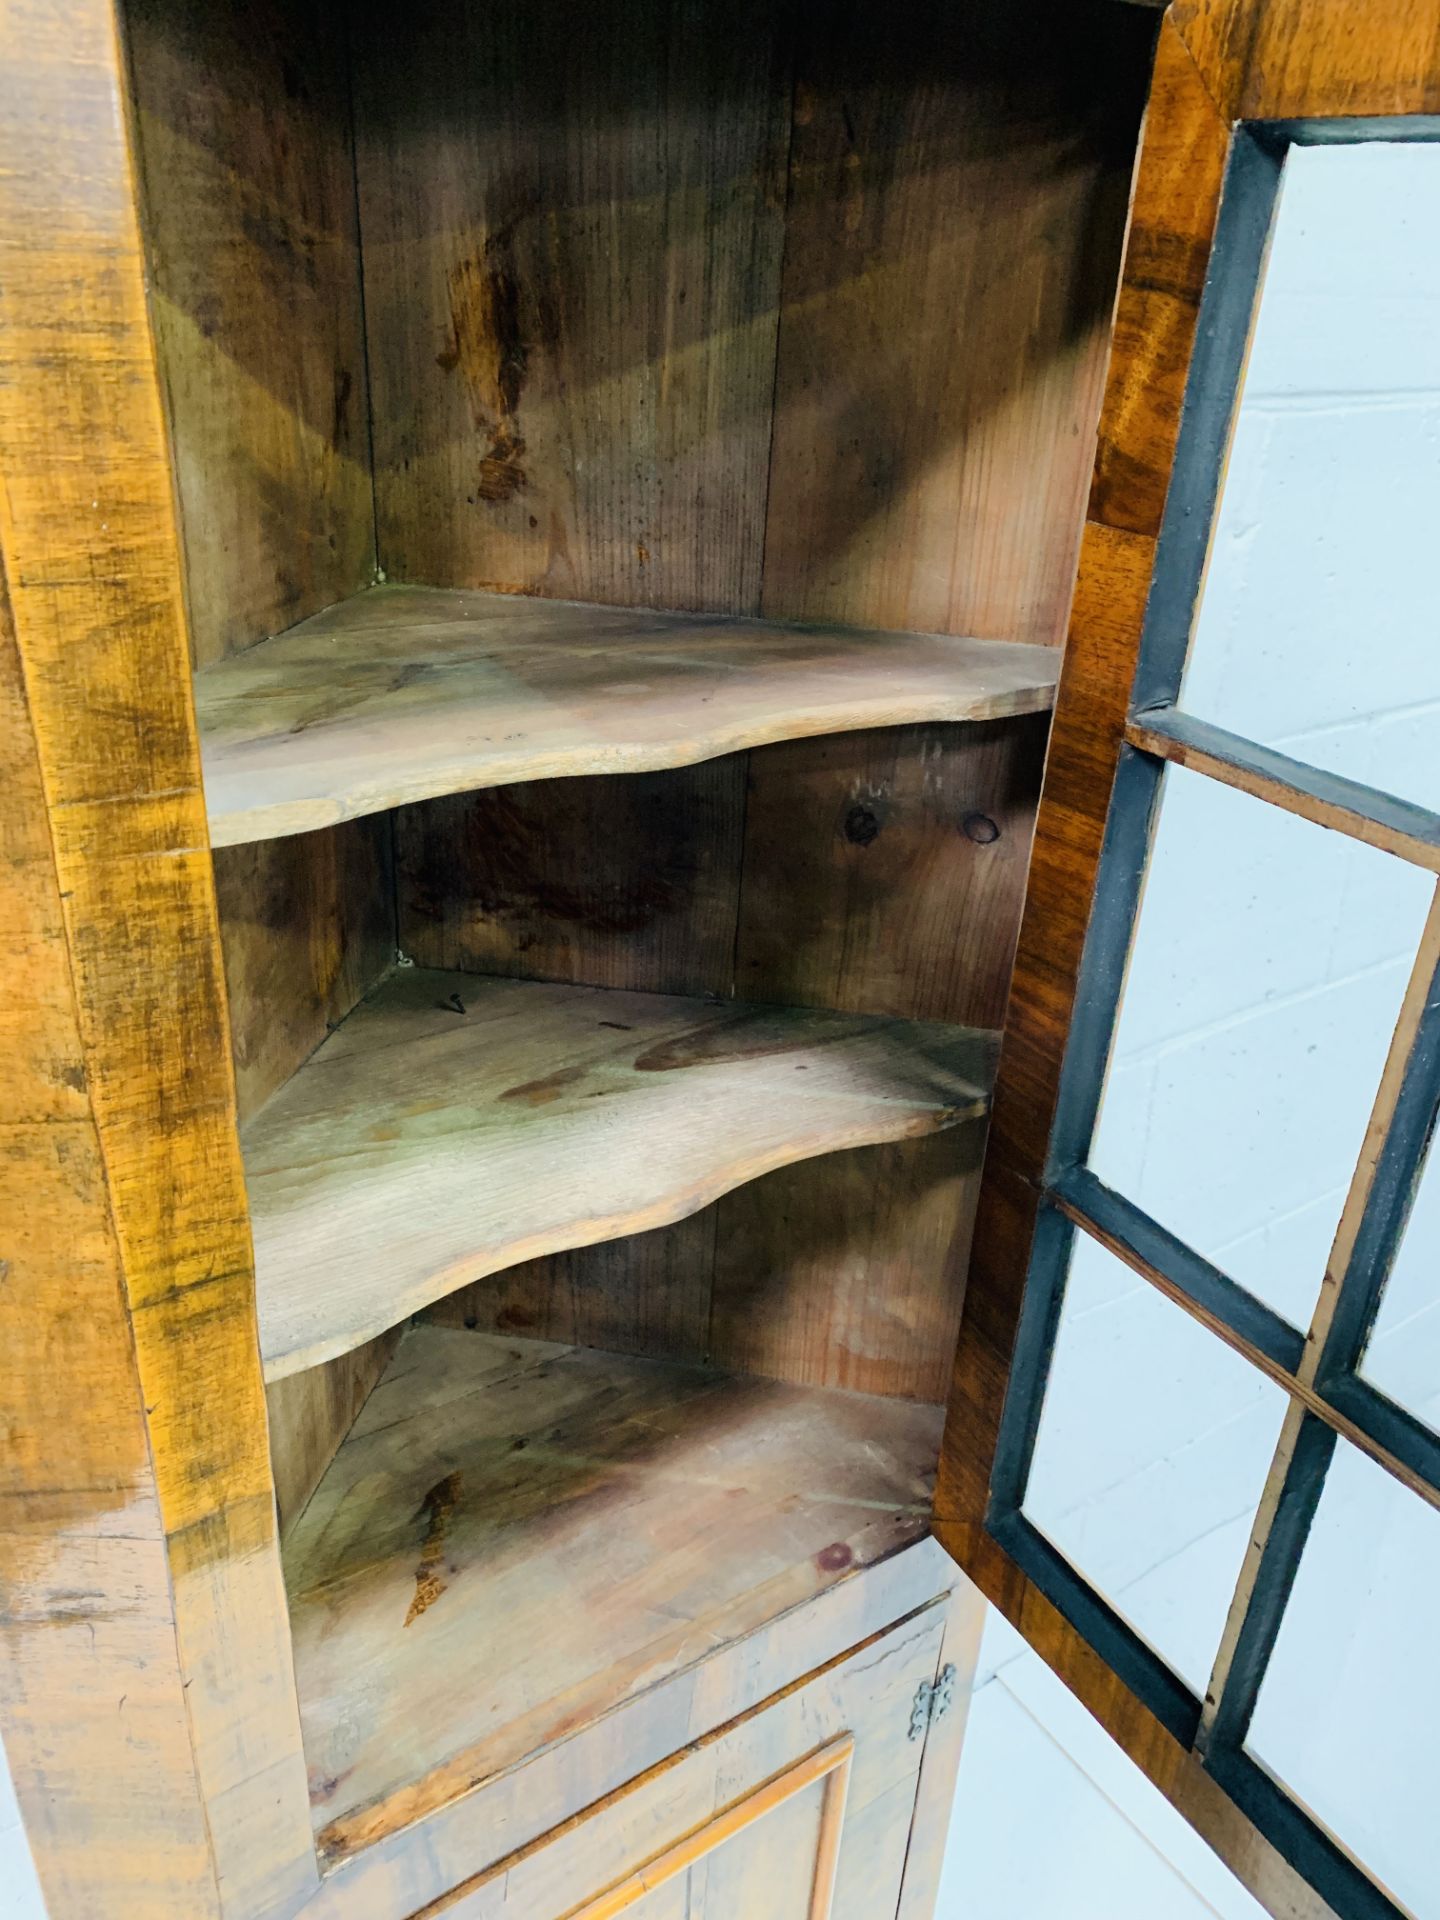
{"x": 932, "y": 1703}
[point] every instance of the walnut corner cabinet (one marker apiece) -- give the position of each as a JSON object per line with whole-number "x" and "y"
{"x": 537, "y": 541}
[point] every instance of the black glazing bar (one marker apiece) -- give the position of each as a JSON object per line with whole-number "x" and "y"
{"x": 1327, "y": 799}
{"x": 1346, "y": 131}
{"x": 1212, "y": 392}
{"x": 1118, "y": 883}
{"x": 1156, "y": 1253}
{"x": 1387, "y": 1206}
{"x": 1398, "y": 1438}
{"x": 1030, "y": 1361}
{"x": 1339, "y": 1881}
{"x": 1275, "y": 1577}
{"x": 1114, "y": 1640}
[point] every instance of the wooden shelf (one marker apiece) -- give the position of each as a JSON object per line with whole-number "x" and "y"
{"x": 423, "y": 1146}
{"x": 517, "y": 1536}
{"x": 403, "y": 693}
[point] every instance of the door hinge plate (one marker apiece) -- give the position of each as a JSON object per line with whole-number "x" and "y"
{"x": 932, "y": 1702}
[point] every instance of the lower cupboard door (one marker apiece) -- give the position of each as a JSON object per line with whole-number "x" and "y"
{"x": 801, "y": 1810}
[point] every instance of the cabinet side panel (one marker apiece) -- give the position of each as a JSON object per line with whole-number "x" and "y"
{"x": 307, "y": 928}
{"x": 247, "y": 171}
{"x": 310, "y": 1414}
{"x": 849, "y": 1271}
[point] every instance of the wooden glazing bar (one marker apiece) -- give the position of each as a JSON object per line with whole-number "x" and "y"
{"x": 1216, "y": 1298}
{"x": 1326, "y": 799}
{"x": 1299, "y": 1389}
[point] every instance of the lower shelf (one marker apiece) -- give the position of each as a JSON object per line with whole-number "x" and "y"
{"x": 517, "y": 1536}
{"x": 455, "y": 1125}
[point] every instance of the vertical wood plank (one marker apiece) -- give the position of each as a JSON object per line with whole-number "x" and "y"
{"x": 884, "y": 872}
{"x": 944, "y": 1743}
{"x": 246, "y": 157}
{"x": 310, "y": 1414}
{"x": 1177, "y": 197}
{"x": 627, "y": 880}
{"x": 849, "y": 1271}
{"x": 573, "y": 227}
{"x": 647, "y": 1294}
{"x": 958, "y": 186}
{"x": 88, "y": 543}
{"x": 307, "y": 926}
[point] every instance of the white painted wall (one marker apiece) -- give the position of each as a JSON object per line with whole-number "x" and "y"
{"x": 20, "y": 1897}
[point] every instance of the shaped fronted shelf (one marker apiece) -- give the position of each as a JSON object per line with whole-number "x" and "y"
{"x": 517, "y": 1537}
{"x": 455, "y": 1125}
{"x": 404, "y": 693}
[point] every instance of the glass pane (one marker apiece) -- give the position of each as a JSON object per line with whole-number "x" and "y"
{"x": 1347, "y": 1713}
{"x": 1153, "y": 1447}
{"x": 1403, "y": 1357}
{"x": 1266, "y": 976}
{"x": 1316, "y": 632}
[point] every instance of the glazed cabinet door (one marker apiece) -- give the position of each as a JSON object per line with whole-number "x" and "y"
{"x": 802, "y": 1810}
{"x": 1193, "y": 1447}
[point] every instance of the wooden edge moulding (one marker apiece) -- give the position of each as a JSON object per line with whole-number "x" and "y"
{"x": 829, "y": 1764}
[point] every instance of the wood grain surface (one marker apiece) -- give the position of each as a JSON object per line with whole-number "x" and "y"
{"x": 877, "y": 408}
{"x": 455, "y": 1125}
{"x": 882, "y": 872}
{"x": 573, "y": 233}
{"x": 406, "y": 692}
{"x": 614, "y": 880}
{"x": 149, "y": 1707}
{"x": 516, "y": 1536}
{"x": 307, "y": 927}
{"x": 244, "y": 145}
{"x": 958, "y": 184}
{"x": 310, "y": 1413}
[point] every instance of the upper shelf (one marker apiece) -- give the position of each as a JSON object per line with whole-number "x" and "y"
{"x": 455, "y": 1125}
{"x": 403, "y": 693}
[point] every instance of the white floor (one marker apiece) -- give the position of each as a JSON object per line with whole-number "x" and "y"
{"x": 1053, "y": 1822}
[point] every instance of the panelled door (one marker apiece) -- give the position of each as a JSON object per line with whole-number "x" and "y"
{"x": 822, "y": 1804}
{"x": 1194, "y": 1442}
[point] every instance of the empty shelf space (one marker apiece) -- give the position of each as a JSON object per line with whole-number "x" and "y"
{"x": 403, "y": 693}
{"x": 454, "y": 1125}
{"x": 517, "y": 1536}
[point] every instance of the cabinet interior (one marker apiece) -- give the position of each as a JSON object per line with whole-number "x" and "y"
{"x": 659, "y": 432}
